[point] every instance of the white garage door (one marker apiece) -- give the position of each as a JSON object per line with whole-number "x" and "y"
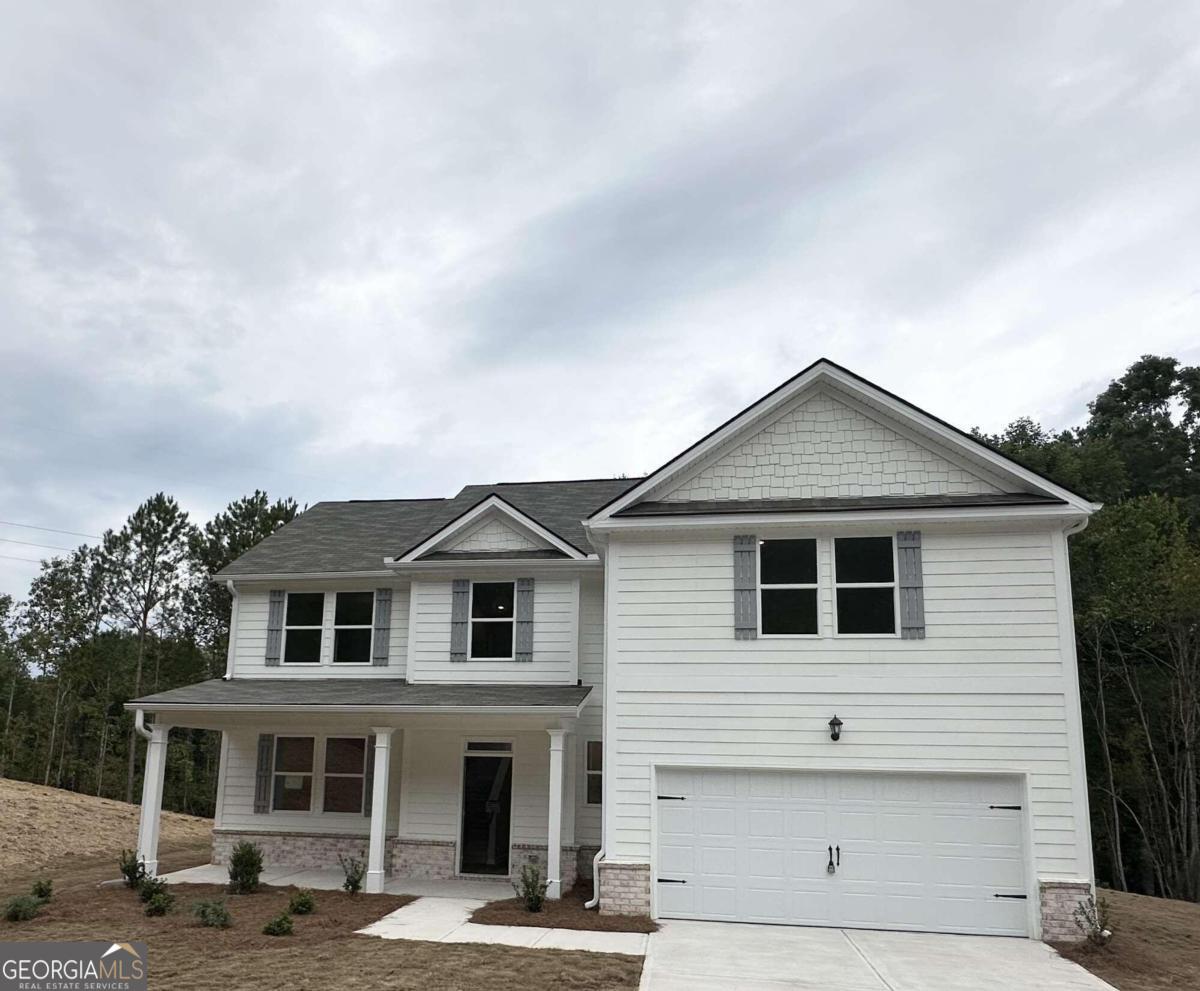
{"x": 939, "y": 853}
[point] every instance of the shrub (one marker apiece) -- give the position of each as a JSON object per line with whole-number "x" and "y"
{"x": 531, "y": 889}
{"x": 355, "y": 871}
{"x": 42, "y": 889}
{"x": 212, "y": 914}
{"x": 281, "y": 925}
{"x": 132, "y": 869}
{"x": 302, "y": 903}
{"x": 160, "y": 903}
{"x": 151, "y": 886}
{"x": 245, "y": 866}
{"x": 22, "y": 908}
{"x": 1093, "y": 920}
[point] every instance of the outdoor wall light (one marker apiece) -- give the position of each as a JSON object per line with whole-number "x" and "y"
{"x": 835, "y": 729}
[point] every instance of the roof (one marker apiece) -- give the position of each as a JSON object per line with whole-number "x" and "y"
{"x": 355, "y": 536}
{"x": 375, "y": 693}
{"x": 695, "y": 507}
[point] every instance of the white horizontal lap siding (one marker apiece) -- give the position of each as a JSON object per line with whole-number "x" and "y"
{"x": 591, "y": 722}
{"x": 554, "y": 638}
{"x": 983, "y": 691}
{"x": 250, "y": 637}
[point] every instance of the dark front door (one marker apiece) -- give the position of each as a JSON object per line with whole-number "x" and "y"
{"x": 486, "y": 813}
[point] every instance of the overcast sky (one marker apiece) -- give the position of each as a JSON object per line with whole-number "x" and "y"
{"x": 385, "y": 249}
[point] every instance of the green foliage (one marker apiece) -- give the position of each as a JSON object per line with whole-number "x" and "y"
{"x": 245, "y": 866}
{"x": 281, "y": 925}
{"x": 149, "y": 887}
{"x": 132, "y": 869}
{"x": 22, "y": 908}
{"x": 531, "y": 888}
{"x": 355, "y": 870}
{"x": 302, "y": 902}
{"x": 212, "y": 914}
{"x": 1093, "y": 918}
{"x": 160, "y": 903}
{"x": 43, "y": 888}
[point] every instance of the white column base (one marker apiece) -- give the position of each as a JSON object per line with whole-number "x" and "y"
{"x": 375, "y": 881}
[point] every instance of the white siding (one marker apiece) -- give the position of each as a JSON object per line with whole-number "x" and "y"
{"x": 986, "y": 689}
{"x": 250, "y": 637}
{"x": 591, "y": 722}
{"x": 555, "y": 637}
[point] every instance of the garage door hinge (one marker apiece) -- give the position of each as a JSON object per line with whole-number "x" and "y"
{"x": 1021, "y": 897}
{"x": 672, "y": 798}
{"x": 671, "y": 880}
{"x": 1011, "y": 808}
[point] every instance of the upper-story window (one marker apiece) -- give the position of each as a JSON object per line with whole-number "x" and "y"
{"x": 864, "y": 577}
{"x": 492, "y": 620}
{"x": 353, "y": 618}
{"x": 304, "y": 616}
{"x": 788, "y": 587}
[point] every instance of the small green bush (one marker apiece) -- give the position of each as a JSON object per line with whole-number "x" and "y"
{"x": 160, "y": 903}
{"x": 151, "y": 886}
{"x": 213, "y": 914}
{"x": 302, "y": 903}
{"x": 355, "y": 871}
{"x": 22, "y": 908}
{"x": 531, "y": 889}
{"x": 132, "y": 869}
{"x": 1093, "y": 918}
{"x": 245, "y": 866}
{"x": 43, "y": 888}
{"x": 281, "y": 925}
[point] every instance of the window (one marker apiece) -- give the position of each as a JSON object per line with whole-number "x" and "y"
{"x": 345, "y": 773}
{"x": 788, "y": 587}
{"x": 865, "y": 582}
{"x": 302, "y": 627}
{"x": 594, "y": 765}
{"x": 353, "y": 615}
{"x": 292, "y": 785}
{"x": 492, "y": 619}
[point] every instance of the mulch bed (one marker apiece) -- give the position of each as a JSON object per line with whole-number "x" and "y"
{"x": 562, "y": 913}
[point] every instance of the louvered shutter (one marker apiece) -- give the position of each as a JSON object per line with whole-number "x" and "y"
{"x": 460, "y": 603}
{"x": 912, "y": 585}
{"x": 262, "y": 777}
{"x": 523, "y": 611}
{"x": 276, "y": 600}
{"x": 383, "y": 627}
{"x": 745, "y": 587}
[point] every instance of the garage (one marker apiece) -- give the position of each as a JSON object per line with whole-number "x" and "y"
{"x": 870, "y": 850}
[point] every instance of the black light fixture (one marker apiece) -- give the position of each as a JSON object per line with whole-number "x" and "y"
{"x": 835, "y": 729}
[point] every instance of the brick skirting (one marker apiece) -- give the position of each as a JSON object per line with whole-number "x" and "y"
{"x": 306, "y": 851}
{"x": 583, "y": 861}
{"x": 535, "y": 853}
{"x": 624, "y": 889}
{"x": 1059, "y": 901}
{"x": 432, "y": 859}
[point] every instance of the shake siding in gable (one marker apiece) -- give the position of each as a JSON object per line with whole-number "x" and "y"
{"x": 983, "y": 691}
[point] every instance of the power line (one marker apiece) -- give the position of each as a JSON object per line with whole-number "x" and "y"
{"x": 31, "y": 560}
{"x": 50, "y": 529}
{"x": 30, "y": 543}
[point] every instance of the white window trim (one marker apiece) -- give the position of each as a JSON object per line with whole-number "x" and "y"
{"x": 471, "y": 620}
{"x": 312, "y": 792}
{"x": 362, "y": 801}
{"x": 283, "y": 662}
{"x": 357, "y": 626}
{"x": 588, "y": 774}
{"x": 462, "y": 773}
{"x": 894, "y": 585}
{"x": 815, "y": 586}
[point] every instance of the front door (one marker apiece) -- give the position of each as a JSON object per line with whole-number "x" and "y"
{"x": 486, "y": 813}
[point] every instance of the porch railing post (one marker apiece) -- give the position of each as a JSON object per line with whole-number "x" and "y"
{"x": 152, "y": 795}
{"x": 554, "y": 823}
{"x": 377, "y": 845}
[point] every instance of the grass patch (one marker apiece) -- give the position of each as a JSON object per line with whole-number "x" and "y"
{"x": 562, "y": 913}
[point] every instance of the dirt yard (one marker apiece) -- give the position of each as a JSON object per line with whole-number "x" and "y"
{"x": 40, "y": 825}
{"x": 1155, "y": 945}
{"x": 562, "y": 913}
{"x": 324, "y": 952}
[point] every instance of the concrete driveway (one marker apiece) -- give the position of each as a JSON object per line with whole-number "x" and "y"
{"x": 726, "y": 956}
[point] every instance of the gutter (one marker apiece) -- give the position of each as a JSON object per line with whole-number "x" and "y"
{"x": 338, "y": 708}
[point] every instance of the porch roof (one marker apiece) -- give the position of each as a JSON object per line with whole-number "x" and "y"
{"x": 363, "y": 695}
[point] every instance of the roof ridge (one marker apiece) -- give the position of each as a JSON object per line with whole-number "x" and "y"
{"x": 558, "y": 481}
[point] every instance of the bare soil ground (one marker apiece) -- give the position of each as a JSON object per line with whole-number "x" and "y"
{"x": 323, "y": 953}
{"x": 40, "y": 825}
{"x": 1155, "y": 945}
{"x": 562, "y": 913}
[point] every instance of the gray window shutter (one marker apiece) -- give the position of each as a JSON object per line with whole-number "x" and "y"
{"x": 745, "y": 587}
{"x": 275, "y": 626}
{"x": 460, "y": 603}
{"x": 912, "y": 585}
{"x": 383, "y": 627}
{"x": 262, "y": 778}
{"x": 523, "y": 612}
{"x": 369, "y": 777}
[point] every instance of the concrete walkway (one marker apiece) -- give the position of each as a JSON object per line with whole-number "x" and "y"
{"x": 444, "y": 920}
{"x": 727, "y": 956}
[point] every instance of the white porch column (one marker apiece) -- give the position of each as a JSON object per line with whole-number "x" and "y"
{"x": 377, "y": 847}
{"x": 554, "y": 820}
{"x": 152, "y": 793}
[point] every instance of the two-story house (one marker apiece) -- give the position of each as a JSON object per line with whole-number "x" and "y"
{"x": 817, "y": 669}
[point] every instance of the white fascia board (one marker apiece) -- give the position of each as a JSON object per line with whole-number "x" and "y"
{"x": 526, "y": 564}
{"x": 336, "y": 710}
{"x": 302, "y": 576}
{"x": 491, "y": 504}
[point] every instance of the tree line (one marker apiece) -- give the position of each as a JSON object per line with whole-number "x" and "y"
{"x": 138, "y": 614}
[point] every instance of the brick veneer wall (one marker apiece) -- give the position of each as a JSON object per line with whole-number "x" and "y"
{"x": 308, "y": 851}
{"x": 1059, "y": 901}
{"x": 535, "y": 853}
{"x": 624, "y": 889}
{"x": 583, "y": 861}
{"x": 423, "y": 858}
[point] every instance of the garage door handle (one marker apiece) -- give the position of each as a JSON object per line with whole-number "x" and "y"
{"x": 1021, "y": 897}
{"x": 671, "y": 880}
{"x": 672, "y": 798}
{"x": 1008, "y": 808}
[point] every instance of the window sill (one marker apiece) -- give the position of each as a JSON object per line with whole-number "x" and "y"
{"x": 791, "y": 636}
{"x": 866, "y": 636}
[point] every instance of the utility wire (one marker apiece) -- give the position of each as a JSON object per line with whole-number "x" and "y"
{"x": 48, "y": 529}
{"x": 9, "y": 557}
{"x": 30, "y": 543}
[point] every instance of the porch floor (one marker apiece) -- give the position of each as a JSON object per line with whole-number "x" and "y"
{"x": 482, "y": 889}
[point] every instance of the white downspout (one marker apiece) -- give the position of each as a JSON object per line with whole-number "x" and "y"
{"x": 233, "y": 617}
{"x": 139, "y": 724}
{"x": 601, "y": 547}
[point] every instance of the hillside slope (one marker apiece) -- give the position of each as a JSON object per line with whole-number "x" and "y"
{"x": 44, "y": 825}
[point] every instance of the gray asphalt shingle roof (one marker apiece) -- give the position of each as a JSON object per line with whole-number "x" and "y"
{"x": 333, "y": 537}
